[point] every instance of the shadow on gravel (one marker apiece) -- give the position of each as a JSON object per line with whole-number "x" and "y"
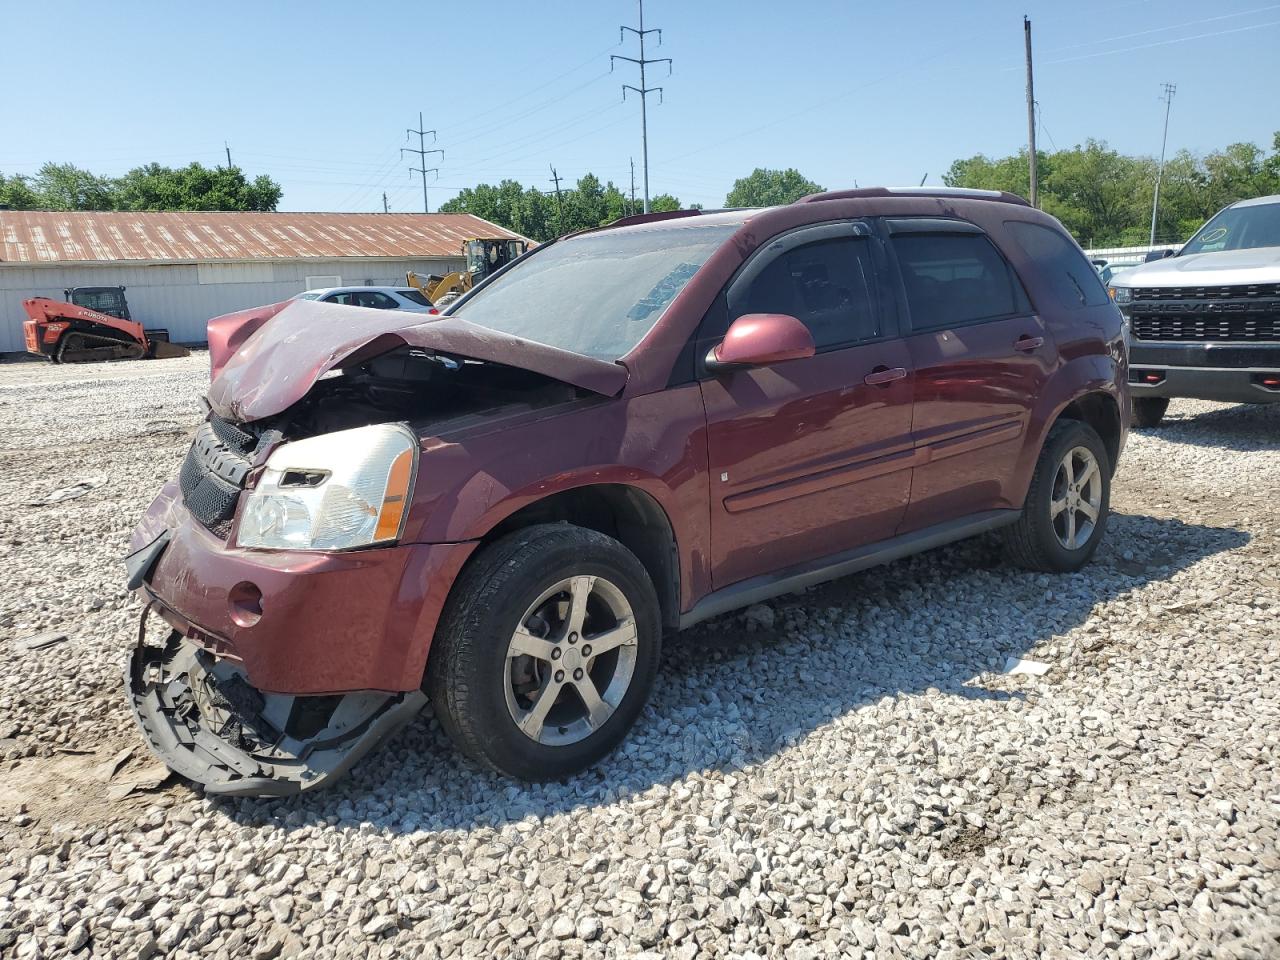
{"x": 740, "y": 689}
{"x": 1242, "y": 428}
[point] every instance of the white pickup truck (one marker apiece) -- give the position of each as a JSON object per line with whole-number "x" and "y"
{"x": 1205, "y": 322}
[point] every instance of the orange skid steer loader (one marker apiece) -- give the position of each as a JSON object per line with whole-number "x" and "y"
{"x": 72, "y": 331}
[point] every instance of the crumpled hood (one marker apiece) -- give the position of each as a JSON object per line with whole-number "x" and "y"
{"x": 1259, "y": 265}
{"x": 289, "y": 350}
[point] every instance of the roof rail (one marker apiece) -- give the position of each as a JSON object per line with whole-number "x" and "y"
{"x": 958, "y": 193}
{"x": 652, "y": 217}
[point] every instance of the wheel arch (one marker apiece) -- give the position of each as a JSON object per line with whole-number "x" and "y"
{"x": 627, "y": 513}
{"x": 1100, "y": 410}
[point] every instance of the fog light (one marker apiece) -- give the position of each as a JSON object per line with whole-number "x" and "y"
{"x": 245, "y": 603}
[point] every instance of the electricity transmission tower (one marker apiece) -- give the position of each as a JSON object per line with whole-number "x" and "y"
{"x": 1169, "y": 90}
{"x": 643, "y": 90}
{"x": 422, "y": 152}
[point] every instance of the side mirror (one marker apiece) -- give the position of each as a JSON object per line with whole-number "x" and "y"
{"x": 757, "y": 339}
{"x": 1157, "y": 255}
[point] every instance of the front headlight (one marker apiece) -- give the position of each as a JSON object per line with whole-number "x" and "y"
{"x": 1122, "y": 294}
{"x": 333, "y": 492}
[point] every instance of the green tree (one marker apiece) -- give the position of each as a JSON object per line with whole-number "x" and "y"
{"x": 194, "y": 187}
{"x": 544, "y": 216}
{"x": 16, "y": 193}
{"x": 1104, "y": 197}
{"x": 64, "y": 186}
{"x": 765, "y": 188}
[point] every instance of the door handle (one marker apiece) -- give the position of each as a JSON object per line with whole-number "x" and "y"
{"x": 882, "y": 375}
{"x": 1026, "y": 343}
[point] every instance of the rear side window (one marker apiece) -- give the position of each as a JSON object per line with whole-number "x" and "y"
{"x": 953, "y": 279}
{"x": 827, "y": 285}
{"x": 1072, "y": 278}
{"x": 415, "y": 296}
{"x": 378, "y": 301}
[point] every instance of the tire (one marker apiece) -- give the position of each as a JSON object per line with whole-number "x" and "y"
{"x": 1059, "y": 542}
{"x": 483, "y": 690}
{"x": 1149, "y": 411}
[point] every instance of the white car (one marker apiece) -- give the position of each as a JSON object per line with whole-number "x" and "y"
{"x": 379, "y": 298}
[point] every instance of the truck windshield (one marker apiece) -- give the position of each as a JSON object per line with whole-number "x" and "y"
{"x": 1238, "y": 228}
{"x": 597, "y": 294}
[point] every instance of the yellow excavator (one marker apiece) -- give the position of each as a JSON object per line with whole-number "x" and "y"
{"x": 483, "y": 256}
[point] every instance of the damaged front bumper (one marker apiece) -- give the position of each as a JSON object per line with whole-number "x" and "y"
{"x": 210, "y": 725}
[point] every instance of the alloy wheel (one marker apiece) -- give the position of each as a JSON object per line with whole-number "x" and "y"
{"x": 1076, "y": 502}
{"x": 570, "y": 660}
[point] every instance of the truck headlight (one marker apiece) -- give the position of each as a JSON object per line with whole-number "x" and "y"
{"x": 333, "y": 492}
{"x": 1122, "y": 294}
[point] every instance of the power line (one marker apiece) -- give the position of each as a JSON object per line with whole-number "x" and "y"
{"x": 643, "y": 90}
{"x": 1165, "y": 43}
{"x": 1172, "y": 26}
{"x": 422, "y": 152}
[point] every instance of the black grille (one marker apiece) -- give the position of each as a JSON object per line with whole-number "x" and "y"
{"x": 1237, "y": 292}
{"x": 1233, "y": 314}
{"x": 1260, "y": 329}
{"x": 214, "y": 472}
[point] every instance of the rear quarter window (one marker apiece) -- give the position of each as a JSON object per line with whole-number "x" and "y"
{"x": 1060, "y": 264}
{"x": 954, "y": 279}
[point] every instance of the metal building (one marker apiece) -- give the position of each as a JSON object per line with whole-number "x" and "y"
{"x": 181, "y": 268}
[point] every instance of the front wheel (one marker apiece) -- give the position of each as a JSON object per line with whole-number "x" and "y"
{"x": 546, "y": 651}
{"x": 1149, "y": 411}
{"x": 1065, "y": 513}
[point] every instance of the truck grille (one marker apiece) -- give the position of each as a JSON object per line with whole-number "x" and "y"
{"x": 1235, "y": 314}
{"x": 214, "y": 472}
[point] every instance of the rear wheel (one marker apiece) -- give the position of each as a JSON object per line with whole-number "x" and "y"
{"x": 546, "y": 651}
{"x": 1149, "y": 411}
{"x": 1065, "y": 513}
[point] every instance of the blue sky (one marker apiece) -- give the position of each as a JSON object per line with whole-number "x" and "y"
{"x": 319, "y": 94}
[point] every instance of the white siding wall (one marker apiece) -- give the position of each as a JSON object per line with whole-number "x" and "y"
{"x": 183, "y": 297}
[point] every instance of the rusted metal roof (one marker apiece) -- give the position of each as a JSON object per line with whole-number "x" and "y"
{"x": 42, "y": 236}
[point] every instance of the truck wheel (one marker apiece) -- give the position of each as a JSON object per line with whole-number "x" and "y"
{"x": 546, "y": 651}
{"x": 1065, "y": 513}
{"x": 1149, "y": 411}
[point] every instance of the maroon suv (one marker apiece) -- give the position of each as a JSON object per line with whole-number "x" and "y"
{"x": 620, "y": 434}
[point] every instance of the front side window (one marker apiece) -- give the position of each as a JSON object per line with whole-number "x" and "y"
{"x": 597, "y": 294}
{"x": 1238, "y": 228}
{"x": 826, "y": 285}
{"x": 1062, "y": 264}
{"x": 953, "y": 279}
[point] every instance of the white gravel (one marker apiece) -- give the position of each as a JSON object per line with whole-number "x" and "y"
{"x": 833, "y": 775}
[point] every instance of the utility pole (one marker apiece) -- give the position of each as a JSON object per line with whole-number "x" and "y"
{"x": 386, "y": 208}
{"x": 643, "y": 90}
{"x": 1169, "y": 90}
{"x": 555, "y": 178}
{"x": 422, "y": 152}
{"x": 1031, "y": 115}
{"x": 632, "y": 209}
{"x": 228, "y": 146}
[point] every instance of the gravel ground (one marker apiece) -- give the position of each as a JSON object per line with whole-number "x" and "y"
{"x": 846, "y": 772}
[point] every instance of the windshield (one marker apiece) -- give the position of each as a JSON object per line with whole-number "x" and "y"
{"x": 1238, "y": 228}
{"x": 597, "y": 294}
